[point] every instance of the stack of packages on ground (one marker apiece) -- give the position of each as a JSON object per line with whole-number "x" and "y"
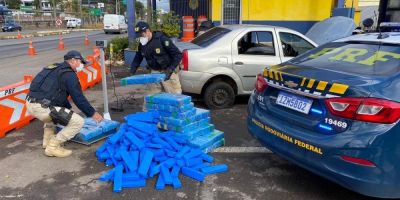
{"x": 140, "y": 150}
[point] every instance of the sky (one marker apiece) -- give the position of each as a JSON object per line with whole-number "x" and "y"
{"x": 161, "y": 4}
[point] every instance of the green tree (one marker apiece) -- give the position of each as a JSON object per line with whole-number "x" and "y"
{"x": 14, "y": 4}
{"x": 37, "y": 4}
{"x": 75, "y": 6}
{"x": 139, "y": 9}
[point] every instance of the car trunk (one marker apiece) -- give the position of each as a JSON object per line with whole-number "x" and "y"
{"x": 297, "y": 95}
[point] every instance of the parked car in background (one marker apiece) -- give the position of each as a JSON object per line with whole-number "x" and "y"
{"x": 11, "y": 26}
{"x": 335, "y": 111}
{"x": 115, "y": 24}
{"x": 224, "y": 61}
{"x": 74, "y": 23}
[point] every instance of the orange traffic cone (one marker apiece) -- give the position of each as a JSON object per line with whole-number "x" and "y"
{"x": 19, "y": 36}
{"x": 61, "y": 43}
{"x": 31, "y": 49}
{"x": 87, "y": 42}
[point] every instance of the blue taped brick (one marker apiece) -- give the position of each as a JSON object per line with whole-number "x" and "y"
{"x": 113, "y": 139}
{"x": 170, "y": 153}
{"x": 134, "y": 184}
{"x": 189, "y": 172}
{"x": 135, "y": 159}
{"x": 180, "y": 163}
{"x": 176, "y": 183}
{"x": 215, "y": 169}
{"x": 154, "y": 170}
{"x": 161, "y": 158}
{"x": 158, "y": 153}
{"x": 118, "y": 179}
{"x": 136, "y": 141}
{"x": 152, "y": 145}
{"x": 197, "y": 167}
{"x": 166, "y": 175}
{"x": 104, "y": 156}
{"x": 109, "y": 162}
{"x": 149, "y": 117}
{"x": 132, "y": 176}
{"x": 182, "y": 152}
{"x": 169, "y": 163}
{"x": 102, "y": 148}
{"x": 174, "y": 145}
{"x": 162, "y": 142}
{"x": 108, "y": 176}
{"x": 193, "y": 153}
{"x": 128, "y": 160}
{"x": 145, "y": 163}
{"x": 175, "y": 171}
{"x": 207, "y": 158}
{"x": 160, "y": 185}
{"x": 193, "y": 161}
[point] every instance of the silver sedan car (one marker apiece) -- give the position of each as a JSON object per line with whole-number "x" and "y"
{"x": 224, "y": 61}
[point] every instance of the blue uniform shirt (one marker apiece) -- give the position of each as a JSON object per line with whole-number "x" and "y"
{"x": 57, "y": 82}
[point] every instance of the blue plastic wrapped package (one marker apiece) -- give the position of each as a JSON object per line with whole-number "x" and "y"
{"x": 217, "y": 144}
{"x": 206, "y": 141}
{"x": 149, "y": 117}
{"x": 168, "y": 99}
{"x": 178, "y": 115}
{"x": 186, "y": 128}
{"x": 197, "y": 132}
{"x": 183, "y": 119}
{"x": 92, "y": 131}
{"x": 169, "y": 108}
{"x": 143, "y": 79}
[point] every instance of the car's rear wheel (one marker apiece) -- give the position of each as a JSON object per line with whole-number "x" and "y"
{"x": 219, "y": 95}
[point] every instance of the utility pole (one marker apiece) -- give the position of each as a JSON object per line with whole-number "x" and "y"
{"x": 54, "y": 12}
{"x": 149, "y": 12}
{"x": 80, "y": 11}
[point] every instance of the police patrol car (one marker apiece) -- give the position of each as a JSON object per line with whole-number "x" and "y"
{"x": 335, "y": 111}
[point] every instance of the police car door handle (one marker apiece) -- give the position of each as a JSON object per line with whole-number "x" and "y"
{"x": 239, "y": 63}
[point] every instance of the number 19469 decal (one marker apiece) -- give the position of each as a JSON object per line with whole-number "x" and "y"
{"x": 338, "y": 123}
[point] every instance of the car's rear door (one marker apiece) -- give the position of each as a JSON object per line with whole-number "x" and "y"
{"x": 252, "y": 51}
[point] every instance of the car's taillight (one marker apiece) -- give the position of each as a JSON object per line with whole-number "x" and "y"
{"x": 365, "y": 109}
{"x": 261, "y": 84}
{"x": 185, "y": 60}
{"x": 358, "y": 161}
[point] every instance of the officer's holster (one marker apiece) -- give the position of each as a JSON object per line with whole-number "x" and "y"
{"x": 61, "y": 117}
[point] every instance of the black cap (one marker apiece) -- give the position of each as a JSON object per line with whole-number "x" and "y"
{"x": 76, "y": 55}
{"x": 141, "y": 27}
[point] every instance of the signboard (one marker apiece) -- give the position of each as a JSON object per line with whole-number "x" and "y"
{"x": 95, "y": 12}
{"x": 58, "y": 22}
{"x": 26, "y": 8}
{"x": 100, "y": 5}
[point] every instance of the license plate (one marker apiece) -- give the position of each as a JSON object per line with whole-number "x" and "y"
{"x": 294, "y": 102}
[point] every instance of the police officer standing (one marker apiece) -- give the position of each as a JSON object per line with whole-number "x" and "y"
{"x": 47, "y": 101}
{"x": 161, "y": 55}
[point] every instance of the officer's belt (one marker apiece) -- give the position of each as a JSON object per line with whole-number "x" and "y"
{"x": 34, "y": 100}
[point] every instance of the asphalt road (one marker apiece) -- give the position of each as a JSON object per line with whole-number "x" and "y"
{"x": 15, "y": 61}
{"x": 254, "y": 172}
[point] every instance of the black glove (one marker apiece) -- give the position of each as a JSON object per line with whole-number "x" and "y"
{"x": 168, "y": 74}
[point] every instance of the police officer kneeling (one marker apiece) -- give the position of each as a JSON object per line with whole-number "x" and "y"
{"x": 47, "y": 101}
{"x": 162, "y": 56}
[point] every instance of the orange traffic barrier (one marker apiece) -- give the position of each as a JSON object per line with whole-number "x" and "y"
{"x": 14, "y": 114}
{"x": 19, "y": 36}
{"x": 96, "y": 52}
{"x": 61, "y": 43}
{"x": 31, "y": 49}
{"x": 201, "y": 19}
{"x": 87, "y": 41}
{"x": 188, "y": 28}
{"x": 91, "y": 73}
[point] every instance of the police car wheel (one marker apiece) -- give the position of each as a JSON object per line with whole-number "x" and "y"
{"x": 219, "y": 95}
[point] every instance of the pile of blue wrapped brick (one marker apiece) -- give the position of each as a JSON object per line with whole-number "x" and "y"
{"x": 143, "y": 79}
{"x": 140, "y": 150}
{"x": 178, "y": 114}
